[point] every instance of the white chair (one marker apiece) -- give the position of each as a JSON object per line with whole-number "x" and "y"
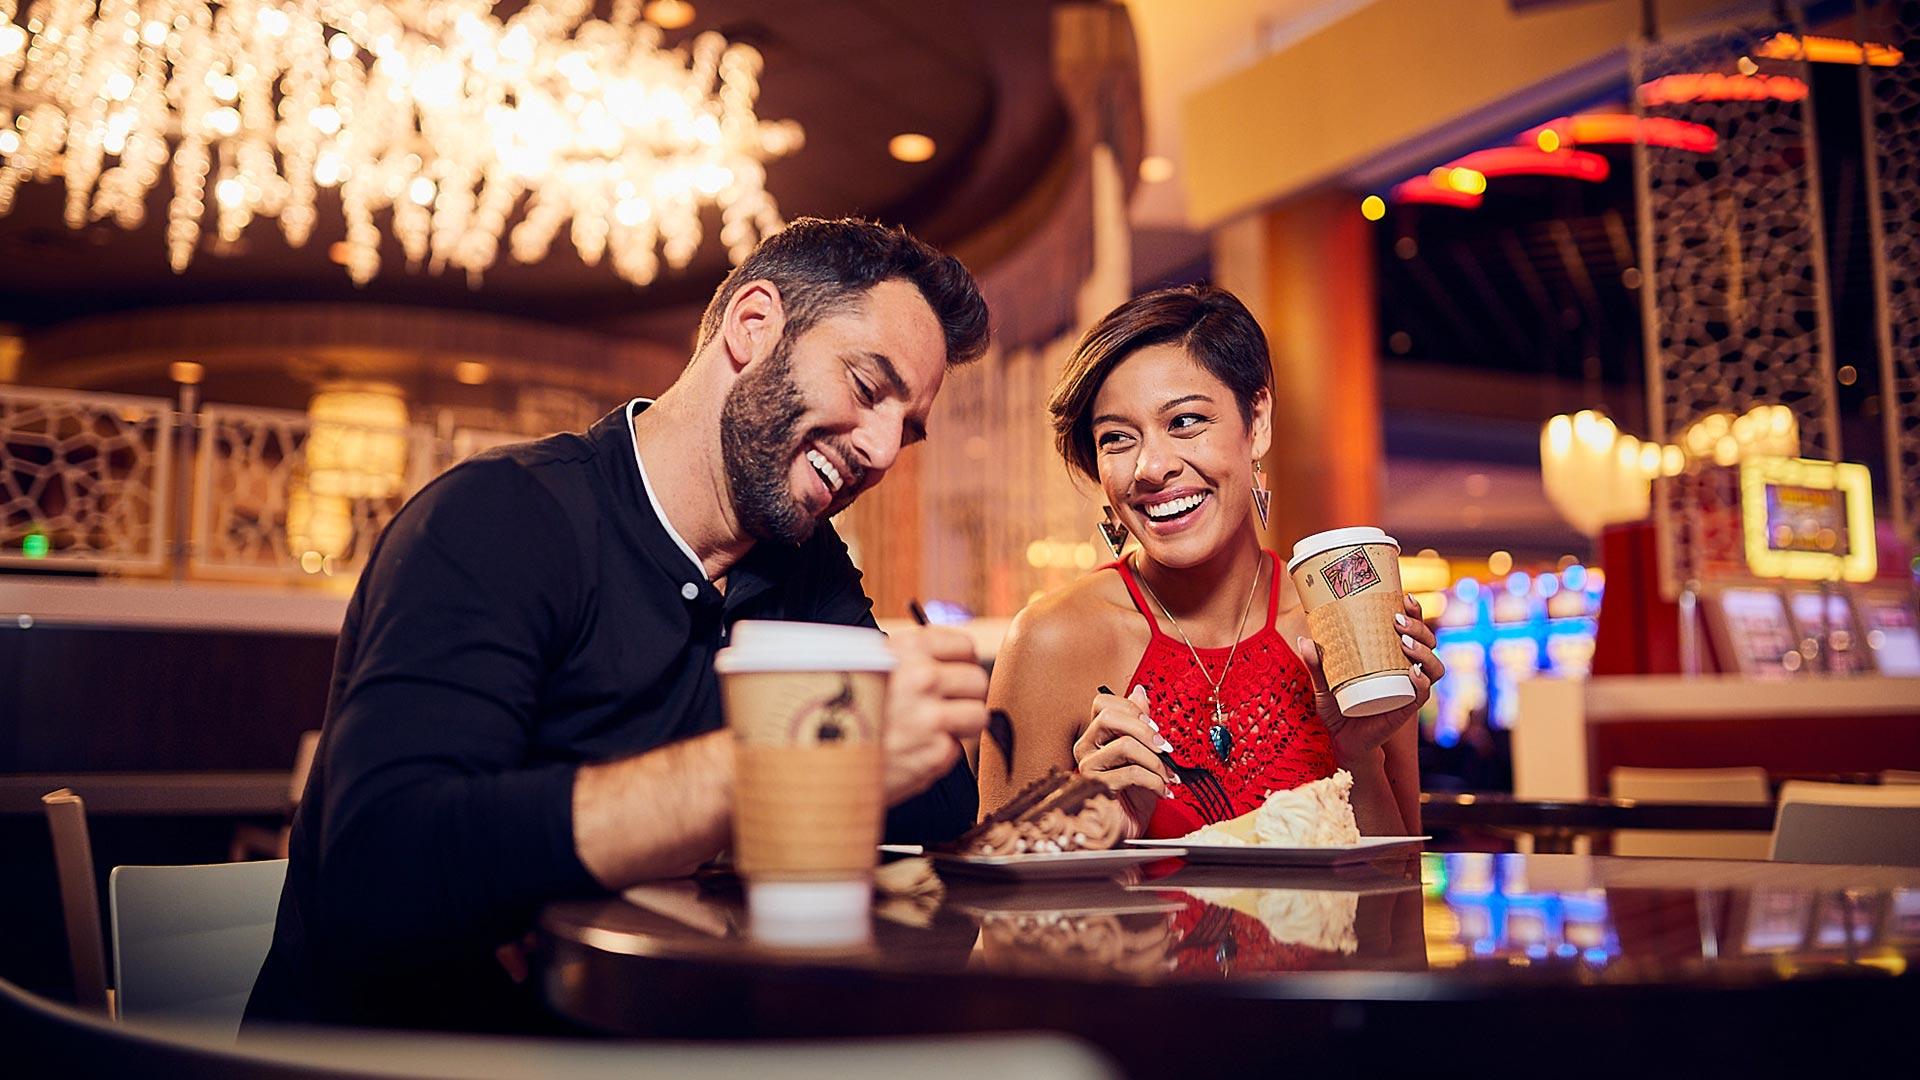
{"x": 188, "y": 941}
{"x": 1848, "y": 823}
{"x": 79, "y": 900}
{"x": 1745, "y": 785}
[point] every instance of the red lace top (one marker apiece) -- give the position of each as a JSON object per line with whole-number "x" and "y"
{"x": 1273, "y": 739}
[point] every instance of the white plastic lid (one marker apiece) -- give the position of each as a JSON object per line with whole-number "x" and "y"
{"x": 1376, "y": 694}
{"x": 1309, "y": 546}
{"x": 809, "y": 914}
{"x": 769, "y": 645}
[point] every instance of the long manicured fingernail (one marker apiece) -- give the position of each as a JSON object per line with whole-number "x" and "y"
{"x": 1406, "y": 640}
{"x": 1166, "y": 747}
{"x": 1400, "y": 621}
{"x": 1154, "y": 726}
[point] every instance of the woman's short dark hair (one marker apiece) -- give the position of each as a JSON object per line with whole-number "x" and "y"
{"x": 1211, "y": 324}
{"x": 822, "y": 267}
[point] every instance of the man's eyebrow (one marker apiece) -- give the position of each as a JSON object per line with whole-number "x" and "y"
{"x": 888, "y": 372}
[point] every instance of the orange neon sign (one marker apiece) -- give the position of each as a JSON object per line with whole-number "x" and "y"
{"x": 1589, "y": 129}
{"x": 1714, "y": 86}
{"x": 1829, "y": 50}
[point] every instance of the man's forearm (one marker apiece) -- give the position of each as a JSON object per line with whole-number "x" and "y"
{"x": 655, "y": 815}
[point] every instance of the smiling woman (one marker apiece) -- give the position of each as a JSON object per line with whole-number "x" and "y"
{"x": 1167, "y": 405}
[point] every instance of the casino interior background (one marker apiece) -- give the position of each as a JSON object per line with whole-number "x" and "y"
{"x": 1466, "y": 228}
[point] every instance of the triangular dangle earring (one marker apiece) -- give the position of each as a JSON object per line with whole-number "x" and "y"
{"x": 1114, "y": 533}
{"x": 1261, "y": 496}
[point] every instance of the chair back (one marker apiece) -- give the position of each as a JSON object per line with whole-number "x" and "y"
{"x": 79, "y": 899}
{"x": 1736, "y": 785}
{"x": 1848, "y": 823}
{"x": 188, "y": 941}
{"x": 1900, "y": 776}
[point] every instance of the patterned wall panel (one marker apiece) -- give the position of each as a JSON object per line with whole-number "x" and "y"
{"x": 85, "y": 480}
{"x": 1891, "y": 96}
{"x": 1735, "y": 308}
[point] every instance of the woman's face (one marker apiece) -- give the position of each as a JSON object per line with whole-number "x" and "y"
{"x": 1176, "y": 459}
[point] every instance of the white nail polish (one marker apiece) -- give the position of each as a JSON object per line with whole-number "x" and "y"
{"x": 1406, "y": 640}
{"x": 1166, "y": 747}
{"x": 1175, "y": 780}
{"x": 1400, "y": 621}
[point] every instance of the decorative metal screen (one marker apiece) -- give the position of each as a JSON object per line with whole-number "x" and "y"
{"x": 252, "y": 509}
{"x": 1735, "y": 296}
{"x": 85, "y": 479}
{"x": 1890, "y": 99}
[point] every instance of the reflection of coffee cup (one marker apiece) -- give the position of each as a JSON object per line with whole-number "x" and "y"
{"x": 1349, "y": 580}
{"x": 805, "y": 702}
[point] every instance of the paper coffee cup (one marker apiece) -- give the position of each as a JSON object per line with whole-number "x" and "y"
{"x": 805, "y": 704}
{"x": 1349, "y": 580}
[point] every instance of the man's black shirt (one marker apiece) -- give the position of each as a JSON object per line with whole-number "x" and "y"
{"x": 527, "y": 612}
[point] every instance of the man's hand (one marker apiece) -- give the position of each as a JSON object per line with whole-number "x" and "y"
{"x": 936, "y": 697}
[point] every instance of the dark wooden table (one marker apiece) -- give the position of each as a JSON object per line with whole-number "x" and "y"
{"x": 1460, "y": 963}
{"x": 1554, "y": 823}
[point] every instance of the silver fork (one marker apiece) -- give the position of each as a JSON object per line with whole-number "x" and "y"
{"x": 1206, "y": 786}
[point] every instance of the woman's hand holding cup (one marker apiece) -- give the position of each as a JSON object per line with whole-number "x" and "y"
{"x": 1356, "y": 736}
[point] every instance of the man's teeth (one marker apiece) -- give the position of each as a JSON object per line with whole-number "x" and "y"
{"x": 1175, "y": 507}
{"x": 825, "y": 468}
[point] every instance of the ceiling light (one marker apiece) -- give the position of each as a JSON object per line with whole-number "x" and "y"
{"x": 438, "y": 121}
{"x": 186, "y": 372}
{"x": 1373, "y": 208}
{"x": 470, "y": 373}
{"x": 1156, "y": 169}
{"x": 910, "y": 147}
{"x": 670, "y": 14}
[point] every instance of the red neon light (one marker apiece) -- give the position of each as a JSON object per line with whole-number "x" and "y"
{"x": 1530, "y": 161}
{"x": 1597, "y": 128}
{"x": 1678, "y": 89}
{"x": 1420, "y": 189}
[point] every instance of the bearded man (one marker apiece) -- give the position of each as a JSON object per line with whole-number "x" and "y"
{"x": 523, "y": 706}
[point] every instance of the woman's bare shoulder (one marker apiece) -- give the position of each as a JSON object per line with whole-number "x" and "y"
{"x": 1084, "y": 623}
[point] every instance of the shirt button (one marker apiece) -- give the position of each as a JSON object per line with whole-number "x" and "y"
{"x": 690, "y": 590}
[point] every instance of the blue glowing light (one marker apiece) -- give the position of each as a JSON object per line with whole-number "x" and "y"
{"x": 1549, "y": 585}
{"x": 1576, "y": 576}
{"x": 1468, "y": 589}
{"x": 1517, "y": 582}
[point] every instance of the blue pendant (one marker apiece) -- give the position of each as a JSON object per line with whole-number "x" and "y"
{"x": 1222, "y": 741}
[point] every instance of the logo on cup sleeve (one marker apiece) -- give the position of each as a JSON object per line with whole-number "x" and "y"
{"x": 831, "y": 720}
{"x": 1350, "y": 573}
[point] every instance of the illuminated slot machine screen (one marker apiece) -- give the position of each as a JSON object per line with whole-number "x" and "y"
{"x": 1777, "y": 920}
{"x": 1849, "y": 920}
{"x": 1753, "y": 632}
{"x": 1843, "y": 656}
{"x": 1495, "y": 636}
{"x": 1903, "y": 916}
{"x": 1893, "y": 632}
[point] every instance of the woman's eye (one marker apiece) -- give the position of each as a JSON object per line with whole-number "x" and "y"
{"x": 1112, "y": 440}
{"x": 1187, "y": 420}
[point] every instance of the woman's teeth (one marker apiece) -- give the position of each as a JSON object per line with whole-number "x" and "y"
{"x": 826, "y": 470}
{"x": 1175, "y": 507}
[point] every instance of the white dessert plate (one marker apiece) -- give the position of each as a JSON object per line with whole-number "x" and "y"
{"x": 1063, "y": 864}
{"x": 1367, "y": 850}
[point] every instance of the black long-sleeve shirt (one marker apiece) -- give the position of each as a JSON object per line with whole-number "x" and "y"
{"x": 527, "y": 612}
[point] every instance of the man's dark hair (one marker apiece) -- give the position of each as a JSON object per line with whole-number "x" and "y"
{"x": 822, "y": 267}
{"x": 1211, "y": 324}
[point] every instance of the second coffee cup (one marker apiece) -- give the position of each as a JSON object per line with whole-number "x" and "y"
{"x": 1349, "y": 580}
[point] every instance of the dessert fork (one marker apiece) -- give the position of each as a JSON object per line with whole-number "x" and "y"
{"x": 1214, "y": 801}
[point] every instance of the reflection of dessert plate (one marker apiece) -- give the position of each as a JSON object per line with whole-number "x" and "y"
{"x": 1363, "y": 879}
{"x": 1367, "y": 850}
{"x": 1063, "y": 864}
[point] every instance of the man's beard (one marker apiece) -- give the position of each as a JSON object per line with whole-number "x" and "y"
{"x": 759, "y": 438}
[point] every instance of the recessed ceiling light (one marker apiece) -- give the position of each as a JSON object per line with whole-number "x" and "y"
{"x": 910, "y": 147}
{"x": 470, "y": 373}
{"x": 670, "y": 14}
{"x": 186, "y": 372}
{"x": 1156, "y": 169}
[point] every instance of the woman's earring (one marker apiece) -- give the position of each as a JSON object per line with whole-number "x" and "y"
{"x": 1261, "y": 496}
{"x": 1114, "y": 533}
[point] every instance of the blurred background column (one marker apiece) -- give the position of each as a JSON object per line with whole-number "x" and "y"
{"x": 1305, "y": 269}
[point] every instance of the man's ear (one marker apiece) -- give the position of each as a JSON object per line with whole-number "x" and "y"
{"x": 1262, "y": 423}
{"x": 752, "y": 324}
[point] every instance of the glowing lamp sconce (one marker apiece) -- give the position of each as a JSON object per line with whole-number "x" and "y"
{"x": 357, "y": 440}
{"x": 1596, "y": 475}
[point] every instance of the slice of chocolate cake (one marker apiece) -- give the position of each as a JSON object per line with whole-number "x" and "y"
{"x": 1061, "y": 811}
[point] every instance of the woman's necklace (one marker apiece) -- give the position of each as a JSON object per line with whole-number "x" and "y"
{"x": 1219, "y": 736}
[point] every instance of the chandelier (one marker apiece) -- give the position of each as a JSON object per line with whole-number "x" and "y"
{"x": 436, "y": 116}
